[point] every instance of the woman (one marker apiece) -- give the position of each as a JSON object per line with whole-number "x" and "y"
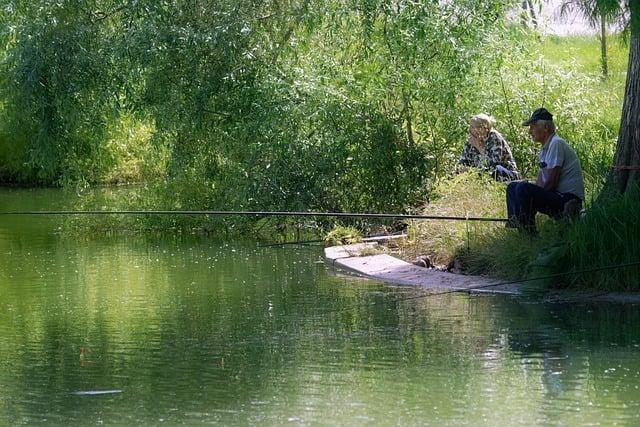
{"x": 487, "y": 150}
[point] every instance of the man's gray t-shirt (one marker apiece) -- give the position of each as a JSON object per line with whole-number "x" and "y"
{"x": 556, "y": 152}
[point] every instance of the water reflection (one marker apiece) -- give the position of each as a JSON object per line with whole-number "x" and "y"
{"x": 193, "y": 330}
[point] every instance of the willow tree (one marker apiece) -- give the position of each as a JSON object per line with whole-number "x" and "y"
{"x": 295, "y": 104}
{"x": 306, "y": 104}
{"x": 59, "y": 84}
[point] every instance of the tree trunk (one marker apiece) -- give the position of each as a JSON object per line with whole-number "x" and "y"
{"x": 603, "y": 47}
{"x": 626, "y": 168}
{"x": 529, "y": 12}
{"x": 408, "y": 120}
{"x": 532, "y": 11}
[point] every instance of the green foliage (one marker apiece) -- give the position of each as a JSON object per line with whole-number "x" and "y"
{"x": 607, "y": 236}
{"x": 278, "y": 105}
{"x": 341, "y": 235}
{"x": 64, "y": 91}
{"x": 586, "y": 110}
{"x": 469, "y": 194}
{"x": 334, "y": 106}
{"x": 130, "y": 152}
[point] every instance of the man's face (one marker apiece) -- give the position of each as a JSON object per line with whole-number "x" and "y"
{"x": 538, "y": 132}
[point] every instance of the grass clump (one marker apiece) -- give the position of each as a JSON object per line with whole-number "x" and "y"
{"x": 372, "y": 250}
{"x": 474, "y": 247}
{"x": 468, "y": 194}
{"x": 341, "y": 235}
{"x": 607, "y": 236}
{"x": 512, "y": 255}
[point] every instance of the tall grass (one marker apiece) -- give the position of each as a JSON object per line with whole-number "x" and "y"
{"x": 608, "y": 235}
{"x": 486, "y": 248}
{"x": 584, "y": 51}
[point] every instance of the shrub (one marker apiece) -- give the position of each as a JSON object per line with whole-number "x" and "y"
{"x": 341, "y": 235}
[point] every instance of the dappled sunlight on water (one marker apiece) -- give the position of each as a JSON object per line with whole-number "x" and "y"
{"x": 187, "y": 329}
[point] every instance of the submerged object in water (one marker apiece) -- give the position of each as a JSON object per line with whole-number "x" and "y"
{"x": 95, "y": 392}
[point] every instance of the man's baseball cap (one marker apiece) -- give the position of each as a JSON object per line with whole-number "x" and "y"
{"x": 539, "y": 114}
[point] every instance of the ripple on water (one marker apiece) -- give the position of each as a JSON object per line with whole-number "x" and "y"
{"x": 195, "y": 333}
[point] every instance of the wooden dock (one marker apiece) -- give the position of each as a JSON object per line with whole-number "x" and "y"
{"x": 389, "y": 269}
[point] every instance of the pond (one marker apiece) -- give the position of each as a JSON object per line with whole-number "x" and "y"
{"x": 188, "y": 329}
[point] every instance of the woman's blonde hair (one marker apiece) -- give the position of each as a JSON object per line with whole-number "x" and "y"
{"x": 482, "y": 121}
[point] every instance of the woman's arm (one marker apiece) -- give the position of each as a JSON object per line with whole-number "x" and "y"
{"x": 498, "y": 152}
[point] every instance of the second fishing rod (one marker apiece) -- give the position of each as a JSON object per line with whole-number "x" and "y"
{"x": 252, "y": 213}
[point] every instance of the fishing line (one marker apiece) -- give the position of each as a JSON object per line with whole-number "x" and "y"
{"x": 372, "y": 237}
{"x": 297, "y": 242}
{"x": 254, "y": 213}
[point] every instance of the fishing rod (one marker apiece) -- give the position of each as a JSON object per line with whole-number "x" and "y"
{"x": 254, "y": 213}
{"x": 305, "y": 242}
{"x": 297, "y": 242}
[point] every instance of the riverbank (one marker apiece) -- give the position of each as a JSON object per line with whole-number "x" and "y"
{"x": 389, "y": 269}
{"x": 363, "y": 259}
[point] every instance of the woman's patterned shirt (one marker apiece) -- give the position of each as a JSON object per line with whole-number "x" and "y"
{"x": 496, "y": 153}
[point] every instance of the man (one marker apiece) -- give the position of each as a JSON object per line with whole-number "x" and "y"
{"x": 559, "y": 179}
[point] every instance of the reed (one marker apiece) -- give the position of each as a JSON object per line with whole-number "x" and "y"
{"x": 607, "y": 235}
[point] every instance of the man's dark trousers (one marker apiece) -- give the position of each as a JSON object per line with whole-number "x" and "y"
{"x": 524, "y": 199}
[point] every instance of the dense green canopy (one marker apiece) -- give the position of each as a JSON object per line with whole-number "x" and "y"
{"x": 298, "y": 103}
{"x": 280, "y": 104}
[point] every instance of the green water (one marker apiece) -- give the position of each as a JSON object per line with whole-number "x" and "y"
{"x": 192, "y": 330}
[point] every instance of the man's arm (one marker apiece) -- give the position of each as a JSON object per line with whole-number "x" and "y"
{"x": 553, "y": 178}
